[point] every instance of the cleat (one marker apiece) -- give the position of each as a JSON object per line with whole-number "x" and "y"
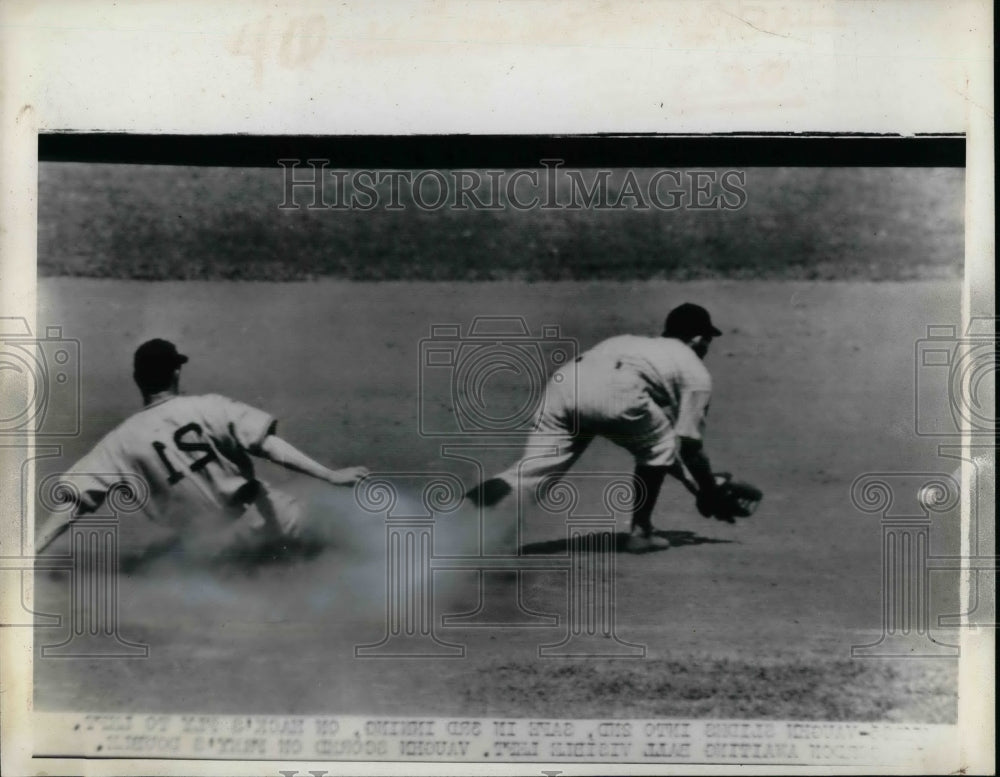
{"x": 489, "y": 492}
{"x": 643, "y": 541}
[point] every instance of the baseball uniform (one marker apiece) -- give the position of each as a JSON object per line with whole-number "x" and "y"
{"x": 639, "y": 392}
{"x": 193, "y": 452}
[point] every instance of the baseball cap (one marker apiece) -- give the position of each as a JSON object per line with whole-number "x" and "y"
{"x": 689, "y": 320}
{"x": 156, "y": 359}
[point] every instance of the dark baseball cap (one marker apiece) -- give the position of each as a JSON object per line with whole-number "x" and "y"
{"x": 156, "y": 359}
{"x": 689, "y": 320}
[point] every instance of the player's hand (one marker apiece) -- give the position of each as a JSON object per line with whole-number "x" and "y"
{"x": 348, "y": 476}
{"x": 711, "y": 502}
{"x": 729, "y": 499}
{"x": 707, "y": 502}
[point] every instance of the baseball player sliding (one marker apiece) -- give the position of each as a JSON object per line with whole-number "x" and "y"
{"x": 194, "y": 453}
{"x": 649, "y": 395}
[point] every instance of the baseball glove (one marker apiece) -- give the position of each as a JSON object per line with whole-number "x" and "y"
{"x": 731, "y": 499}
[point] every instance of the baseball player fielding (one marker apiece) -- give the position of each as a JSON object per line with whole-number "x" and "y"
{"x": 650, "y": 395}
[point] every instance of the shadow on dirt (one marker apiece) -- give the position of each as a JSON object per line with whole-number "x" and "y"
{"x": 677, "y": 539}
{"x": 249, "y": 560}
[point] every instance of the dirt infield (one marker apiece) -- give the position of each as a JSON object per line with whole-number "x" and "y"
{"x": 814, "y": 386}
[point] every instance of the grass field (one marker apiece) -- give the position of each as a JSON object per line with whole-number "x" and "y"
{"x": 160, "y": 223}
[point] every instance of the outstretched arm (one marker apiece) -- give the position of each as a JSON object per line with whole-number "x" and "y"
{"x": 696, "y": 474}
{"x": 273, "y": 448}
{"x": 699, "y": 477}
{"x": 695, "y": 461}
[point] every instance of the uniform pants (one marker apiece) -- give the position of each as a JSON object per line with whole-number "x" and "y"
{"x": 579, "y": 406}
{"x": 272, "y": 515}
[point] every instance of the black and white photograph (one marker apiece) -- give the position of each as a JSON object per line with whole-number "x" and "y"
{"x": 541, "y": 451}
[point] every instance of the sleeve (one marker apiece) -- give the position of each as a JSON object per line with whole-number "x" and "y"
{"x": 79, "y": 491}
{"x": 692, "y": 414}
{"x": 695, "y": 396}
{"x": 90, "y": 479}
{"x": 247, "y": 425}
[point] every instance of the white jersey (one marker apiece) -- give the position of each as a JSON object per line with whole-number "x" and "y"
{"x": 666, "y": 369}
{"x": 191, "y": 451}
{"x": 642, "y": 393}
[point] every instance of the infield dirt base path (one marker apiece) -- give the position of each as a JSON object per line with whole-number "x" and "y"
{"x": 814, "y": 386}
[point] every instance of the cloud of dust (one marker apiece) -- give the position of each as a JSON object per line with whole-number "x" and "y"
{"x": 342, "y": 578}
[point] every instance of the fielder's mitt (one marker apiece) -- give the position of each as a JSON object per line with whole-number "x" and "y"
{"x": 732, "y": 499}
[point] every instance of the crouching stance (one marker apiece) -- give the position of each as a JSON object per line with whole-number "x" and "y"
{"x": 649, "y": 395}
